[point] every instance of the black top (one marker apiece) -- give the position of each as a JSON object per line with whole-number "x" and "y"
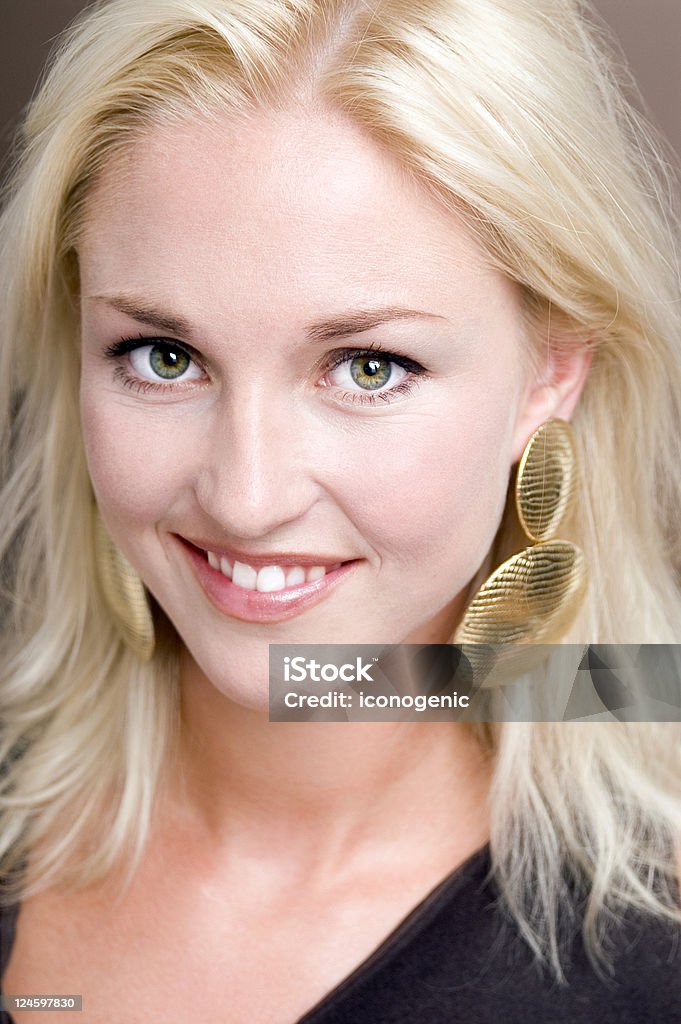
{"x": 456, "y": 959}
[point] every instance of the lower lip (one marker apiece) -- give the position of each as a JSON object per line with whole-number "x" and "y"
{"x": 251, "y": 605}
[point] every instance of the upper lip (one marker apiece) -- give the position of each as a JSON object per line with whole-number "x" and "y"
{"x": 273, "y": 558}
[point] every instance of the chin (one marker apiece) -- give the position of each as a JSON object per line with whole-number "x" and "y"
{"x": 202, "y": 674}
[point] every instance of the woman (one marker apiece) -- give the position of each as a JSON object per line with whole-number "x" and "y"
{"x": 291, "y": 287}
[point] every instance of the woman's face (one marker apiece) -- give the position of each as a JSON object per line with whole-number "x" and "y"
{"x": 254, "y": 267}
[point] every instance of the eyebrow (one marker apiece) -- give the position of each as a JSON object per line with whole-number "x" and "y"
{"x": 351, "y": 322}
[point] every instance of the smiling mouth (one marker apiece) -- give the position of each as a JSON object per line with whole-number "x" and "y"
{"x": 264, "y": 579}
{"x": 269, "y": 593}
{"x": 268, "y": 578}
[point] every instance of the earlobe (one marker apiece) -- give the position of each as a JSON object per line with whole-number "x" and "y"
{"x": 553, "y": 394}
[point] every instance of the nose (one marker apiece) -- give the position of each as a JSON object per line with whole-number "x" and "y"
{"x": 258, "y": 468}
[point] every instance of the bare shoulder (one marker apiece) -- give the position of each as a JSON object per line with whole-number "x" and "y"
{"x": 67, "y": 941}
{"x": 64, "y": 942}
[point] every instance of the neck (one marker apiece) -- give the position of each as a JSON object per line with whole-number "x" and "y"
{"x": 315, "y": 791}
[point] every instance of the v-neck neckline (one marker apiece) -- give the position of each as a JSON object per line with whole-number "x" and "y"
{"x": 404, "y": 932}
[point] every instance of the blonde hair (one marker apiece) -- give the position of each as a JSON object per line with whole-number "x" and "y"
{"x": 510, "y": 112}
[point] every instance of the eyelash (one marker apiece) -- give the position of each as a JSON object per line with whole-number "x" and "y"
{"x": 414, "y": 369}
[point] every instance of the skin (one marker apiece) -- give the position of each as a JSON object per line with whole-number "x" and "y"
{"x": 273, "y": 837}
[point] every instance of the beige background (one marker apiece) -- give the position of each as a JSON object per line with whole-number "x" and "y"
{"x": 649, "y": 32}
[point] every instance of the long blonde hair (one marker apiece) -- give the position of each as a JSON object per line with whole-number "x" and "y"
{"x": 508, "y": 111}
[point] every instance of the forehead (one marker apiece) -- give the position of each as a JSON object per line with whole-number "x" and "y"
{"x": 285, "y": 205}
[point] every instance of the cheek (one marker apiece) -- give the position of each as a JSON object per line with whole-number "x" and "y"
{"x": 437, "y": 492}
{"x": 131, "y": 462}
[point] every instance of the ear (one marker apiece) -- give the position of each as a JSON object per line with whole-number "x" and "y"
{"x": 552, "y": 392}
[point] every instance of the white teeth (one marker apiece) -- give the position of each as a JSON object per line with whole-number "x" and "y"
{"x": 270, "y": 578}
{"x": 244, "y": 576}
{"x": 315, "y": 573}
{"x": 295, "y": 576}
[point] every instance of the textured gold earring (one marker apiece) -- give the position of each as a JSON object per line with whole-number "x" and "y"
{"x": 536, "y": 594}
{"x": 125, "y": 594}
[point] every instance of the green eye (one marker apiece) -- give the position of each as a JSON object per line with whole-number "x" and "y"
{"x": 169, "y": 363}
{"x": 370, "y": 372}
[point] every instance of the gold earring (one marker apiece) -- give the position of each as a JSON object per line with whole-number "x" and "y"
{"x": 535, "y": 595}
{"x": 125, "y": 594}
